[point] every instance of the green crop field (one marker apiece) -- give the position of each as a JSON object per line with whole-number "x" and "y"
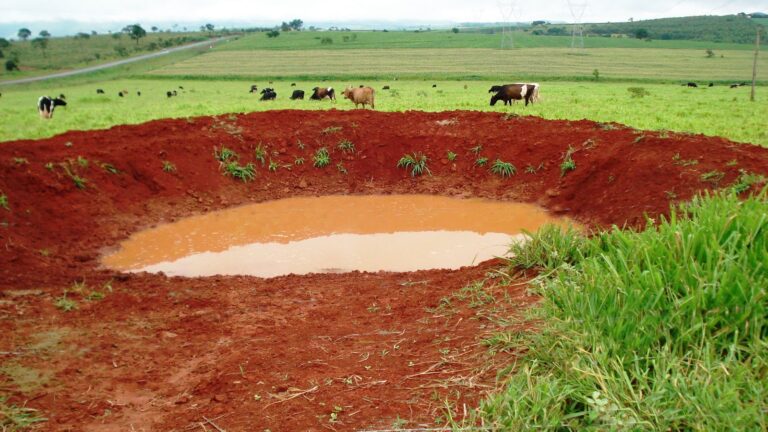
{"x": 534, "y": 63}
{"x": 472, "y": 38}
{"x": 713, "y": 111}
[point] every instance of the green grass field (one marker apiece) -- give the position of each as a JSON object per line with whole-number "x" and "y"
{"x": 535, "y": 63}
{"x": 473, "y": 38}
{"x": 712, "y": 111}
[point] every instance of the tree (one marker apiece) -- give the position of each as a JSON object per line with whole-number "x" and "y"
{"x": 209, "y": 27}
{"x": 154, "y": 28}
{"x": 45, "y": 34}
{"x": 82, "y": 35}
{"x": 641, "y": 33}
{"x": 285, "y": 27}
{"x": 11, "y": 65}
{"x": 4, "y": 43}
{"x": 24, "y": 33}
{"x": 135, "y": 31}
{"x": 40, "y": 43}
{"x": 1, "y": 54}
{"x": 455, "y": 29}
{"x": 296, "y": 24}
{"x": 273, "y": 34}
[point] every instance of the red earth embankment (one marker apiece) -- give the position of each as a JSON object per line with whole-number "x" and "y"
{"x": 338, "y": 351}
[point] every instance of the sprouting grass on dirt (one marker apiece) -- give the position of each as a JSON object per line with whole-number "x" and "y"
{"x": 321, "y": 158}
{"x": 416, "y": 162}
{"x": 4, "y": 201}
{"x": 503, "y": 169}
{"x": 646, "y": 330}
{"x": 15, "y": 418}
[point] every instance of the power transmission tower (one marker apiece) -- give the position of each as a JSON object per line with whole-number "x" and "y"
{"x": 577, "y": 9}
{"x": 508, "y": 10}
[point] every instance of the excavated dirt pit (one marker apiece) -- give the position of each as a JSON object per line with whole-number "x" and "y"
{"x": 332, "y": 234}
{"x": 316, "y": 352}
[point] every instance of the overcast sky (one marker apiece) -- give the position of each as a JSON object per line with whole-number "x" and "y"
{"x": 153, "y": 11}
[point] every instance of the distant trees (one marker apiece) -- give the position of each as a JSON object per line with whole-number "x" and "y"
{"x": 12, "y": 65}
{"x": 24, "y": 33}
{"x": 273, "y": 34}
{"x": 4, "y": 43}
{"x": 209, "y": 27}
{"x": 121, "y": 51}
{"x": 135, "y": 32}
{"x": 455, "y": 30}
{"x": 154, "y": 28}
{"x": 294, "y": 25}
{"x": 45, "y": 34}
{"x": 642, "y": 33}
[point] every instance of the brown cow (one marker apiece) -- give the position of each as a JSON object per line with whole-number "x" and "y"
{"x": 358, "y": 96}
{"x": 319, "y": 93}
{"x": 511, "y": 92}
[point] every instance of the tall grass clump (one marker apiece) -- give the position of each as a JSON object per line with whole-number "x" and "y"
{"x": 662, "y": 329}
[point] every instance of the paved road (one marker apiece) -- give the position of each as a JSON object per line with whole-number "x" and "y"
{"x": 111, "y": 64}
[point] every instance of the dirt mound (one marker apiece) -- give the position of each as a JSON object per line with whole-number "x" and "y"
{"x": 293, "y": 353}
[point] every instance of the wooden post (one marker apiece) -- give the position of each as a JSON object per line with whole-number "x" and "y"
{"x": 754, "y": 65}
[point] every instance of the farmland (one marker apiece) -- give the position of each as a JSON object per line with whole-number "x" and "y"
{"x": 653, "y": 318}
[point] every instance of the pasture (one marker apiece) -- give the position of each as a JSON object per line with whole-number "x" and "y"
{"x": 659, "y": 65}
{"x": 716, "y": 111}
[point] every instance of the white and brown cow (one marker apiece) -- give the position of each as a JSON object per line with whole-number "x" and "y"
{"x": 46, "y": 105}
{"x": 512, "y": 92}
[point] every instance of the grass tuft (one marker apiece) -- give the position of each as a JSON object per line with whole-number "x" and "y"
{"x": 503, "y": 169}
{"x": 16, "y": 419}
{"x": 4, "y": 201}
{"x": 321, "y": 158}
{"x": 568, "y": 163}
{"x": 346, "y": 146}
{"x": 417, "y": 163}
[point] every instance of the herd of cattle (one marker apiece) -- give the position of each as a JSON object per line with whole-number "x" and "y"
{"x": 507, "y": 93}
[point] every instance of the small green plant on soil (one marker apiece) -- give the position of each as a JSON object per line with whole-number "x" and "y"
{"x": 109, "y": 168}
{"x": 168, "y": 167}
{"x": 713, "y": 177}
{"x": 341, "y": 168}
{"x": 64, "y": 303}
{"x": 503, "y": 169}
{"x": 732, "y": 163}
{"x": 510, "y": 116}
{"x": 4, "y": 201}
{"x": 638, "y": 139}
{"x": 346, "y": 146}
{"x": 417, "y": 163}
{"x": 606, "y": 126}
{"x": 451, "y": 156}
{"x": 530, "y": 169}
{"x": 568, "y": 163}
{"x": 677, "y": 160}
{"x": 298, "y": 161}
{"x": 300, "y": 145}
{"x": 481, "y": 161}
{"x": 331, "y": 130}
{"x": 224, "y": 155}
{"x": 477, "y": 149}
{"x": 260, "y": 153}
{"x": 240, "y": 172}
{"x": 321, "y": 158}
{"x": 48, "y": 166}
{"x": 79, "y": 182}
{"x": 638, "y": 92}
{"x": 20, "y": 161}
{"x": 14, "y": 418}
{"x": 83, "y": 162}
{"x": 745, "y": 181}
{"x": 273, "y": 166}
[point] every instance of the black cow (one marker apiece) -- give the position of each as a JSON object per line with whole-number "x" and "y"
{"x": 181, "y": 88}
{"x": 138, "y": 93}
{"x": 297, "y": 94}
{"x": 254, "y": 89}
{"x": 46, "y": 105}
{"x": 293, "y": 84}
{"x": 99, "y": 91}
{"x": 385, "y": 88}
{"x": 268, "y": 94}
{"x": 170, "y": 93}
{"x": 692, "y": 84}
{"x": 434, "y": 85}
{"x": 711, "y": 84}
{"x": 120, "y": 94}
{"x": 734, "y": 86}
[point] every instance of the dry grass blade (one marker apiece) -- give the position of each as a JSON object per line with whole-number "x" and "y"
{"x": 293, "y": 394}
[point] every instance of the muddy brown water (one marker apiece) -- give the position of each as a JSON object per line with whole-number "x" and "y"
{"x": 332, "y": 234}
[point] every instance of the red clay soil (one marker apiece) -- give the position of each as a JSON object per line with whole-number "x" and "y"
{"x": 318, "y": 352}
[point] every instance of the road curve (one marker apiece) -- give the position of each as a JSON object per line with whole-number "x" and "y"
{"x": 111, "y": 64}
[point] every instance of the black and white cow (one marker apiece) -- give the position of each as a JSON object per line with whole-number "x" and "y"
{"x": 46, "y": 105}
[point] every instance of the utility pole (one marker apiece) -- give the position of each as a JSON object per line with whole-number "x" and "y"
{"x": 754, "y": 65}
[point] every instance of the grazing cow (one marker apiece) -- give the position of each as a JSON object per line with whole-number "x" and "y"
{"x": 322, "y": 93}
{"x": 495, "y": 89}
{"x": 181, "y": 88}
{"x": 511, "y": 92}
{"x": 360, "y": 96}
{"x": 385, "y": 88}
{"x": 268, "y": 94}
{"x": 297, "y": 94}
{"x": 692, "y": 84}
{"x": 169, "y": 94}
{"x": 533, "y": 88}
{"x": 138, "y": 93}
{"x": 735, "y": 86}
{"x": 46, "y": 105}
{"x": 99, "y": 91}
{"x": 434, "y": 85}
{"x": 120, "y": 94}
{"x": 293, "y": 84}
{"x": 711, "y": 84}
{"x": 254, "y": 89}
